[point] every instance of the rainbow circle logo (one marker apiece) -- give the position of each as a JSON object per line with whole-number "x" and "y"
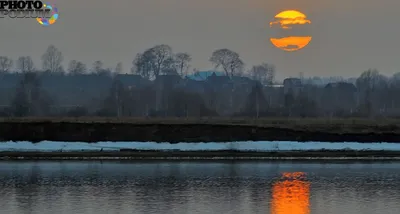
{"x": 53, "y": 18}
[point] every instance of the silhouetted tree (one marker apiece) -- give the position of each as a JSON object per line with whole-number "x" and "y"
{"x": 154, "y": 62}
{"x": 117, "y": 101}
{"x": 368, "y": 84}
{"x": 256, "y": 102}
{"x": 25, "y": 64}
{"x": 100, "y": 70}
{"x": 118, "y": 68}
{"x": 30, "y": 99}
{"x": 75, "y": 67}
{"x": 97, "y": 67}
{"x": 169, "y": 67}
{"x": 305, "y": 106}
{"x": 289, "y": 101}
{"x": 163, "y": 58}
{"x": 187, "y": 104}
{"x": 5, "y": 64}
{"x": 143, "y": 65}
{"x": 52, "y": 59}
{"x": 396, "y": 76}
{"x": 264, "y": 73}
{"x": 163, "y": 92}
{"x": 339, "y": 99}
{"x": 393, "y": 95}
{"x": 229, "y": 61}
{"x": 182, "y": 61}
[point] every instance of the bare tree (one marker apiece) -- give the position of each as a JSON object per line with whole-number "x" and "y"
{"x": 143, "y": 65}
{"x": 25, "y": 64}
{"x": 370, "y": 80}
{"x": 30, "y": 99}
{"x": 162, "y": 58}
{"x": 72, "y": 66}
{"x": 169, "y": 67}
{"x": 61, "y": 69}
{"x": 256, "y": 101}
{"x": 97, "y": 66}
{"x": 154, "y": 61}
{"x": 368, "y": 84}
{"x": 5, "y": 64}
{"x": 394, "y": 90}
{"x": 229, "y": 61}
{"x": 182, "y": 61}
{"x": 396, "y": 76}
{"x": 301, "y": 76}
{"x": 76, "y": 67}
{"x": 52, "y": 59}
{"x": 117, "y": 100}
{"x": 264, "y": 73}
{"x": 395, "y": 80}
{"x": 119, "y": 68}
{"x": 100, "y": 70}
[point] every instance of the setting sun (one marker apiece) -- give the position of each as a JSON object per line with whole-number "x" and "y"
{"x": 290, "y": 14}
{"x": 285, "y": 20}
{"x": 292, "y": 43}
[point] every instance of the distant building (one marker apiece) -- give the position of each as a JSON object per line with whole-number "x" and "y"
{"x": 132, "y": 81}
{"x": 293, "y": 85}
{"x": 203, "y": 75}
{"x": 217, "y": 80}
{"x": 274, "y": 86}
{"x": 193, "y": 86}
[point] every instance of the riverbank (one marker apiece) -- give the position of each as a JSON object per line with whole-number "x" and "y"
{"x": 203, "y": 155}
{"x": 239, "y": 150}
{"x": 198, "y": 130}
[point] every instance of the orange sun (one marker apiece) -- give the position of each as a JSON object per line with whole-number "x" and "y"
{"x": 285, "y": 20}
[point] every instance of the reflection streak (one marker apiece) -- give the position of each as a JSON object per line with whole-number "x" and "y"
{"x": 291, "y": 194}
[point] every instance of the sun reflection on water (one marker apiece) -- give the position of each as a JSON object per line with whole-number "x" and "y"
{"x": 291, "y": 194}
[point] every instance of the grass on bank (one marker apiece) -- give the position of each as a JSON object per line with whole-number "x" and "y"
{"x": 208, "y": 120}
{"x": 200, "y": 154}
{"x": 342, "y": 125}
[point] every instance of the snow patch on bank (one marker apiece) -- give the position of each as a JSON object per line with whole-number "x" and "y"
{"x": 260, "y": 146}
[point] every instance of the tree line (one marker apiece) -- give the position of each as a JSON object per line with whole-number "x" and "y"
{"x": 157, "y": 86}
{"x": 155, "y": 61}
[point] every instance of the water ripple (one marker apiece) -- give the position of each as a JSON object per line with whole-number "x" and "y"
{"x": 188, "y": 187}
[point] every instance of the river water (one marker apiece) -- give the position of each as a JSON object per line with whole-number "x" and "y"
{"x": 199, "y": 187}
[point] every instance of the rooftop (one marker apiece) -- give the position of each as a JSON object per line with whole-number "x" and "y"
{"x": 203, "y": 75}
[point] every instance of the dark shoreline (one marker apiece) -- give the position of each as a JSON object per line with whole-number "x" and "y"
{"x": 204, "y": 155}
{"x": 199, "y": 130}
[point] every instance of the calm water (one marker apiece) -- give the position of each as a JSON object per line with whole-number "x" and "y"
{"x": 202, "y": 187}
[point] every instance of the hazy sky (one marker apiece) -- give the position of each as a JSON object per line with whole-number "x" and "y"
{"x": 347, "y": 37}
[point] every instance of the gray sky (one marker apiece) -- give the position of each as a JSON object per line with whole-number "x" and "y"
{"x": 348, "y": 38}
